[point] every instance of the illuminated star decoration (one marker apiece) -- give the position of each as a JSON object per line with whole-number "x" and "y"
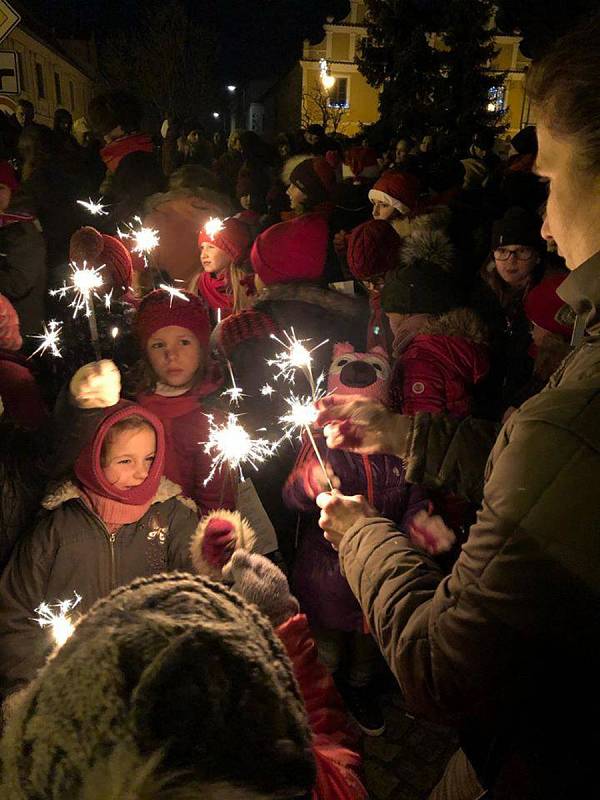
{"x": 235, "y": 393}
{"x": 84, "y": 282}
{"x": 144, "y": 239}
{"x": 50, "y": 339}
{"x": 232, "y": 445}
{"x": 57, "y": 617}
{"x": 301, "y": 415}
{"x": 213, "y": 226}
{"x": 173, "y": 291}
{"x": 294, "y": 356}
{"x": 96, "y": 208}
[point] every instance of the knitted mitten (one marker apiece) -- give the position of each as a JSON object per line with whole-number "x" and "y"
{"x": 259, "y": 581}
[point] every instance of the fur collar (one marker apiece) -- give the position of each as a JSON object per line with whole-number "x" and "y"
{"x": 328, "y": 299}
{"x": 429, "y": 245}
{"x": 459, "y": 322}
{"x": 68, "y": 490}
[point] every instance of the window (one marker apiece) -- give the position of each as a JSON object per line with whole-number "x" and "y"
{"x": 58, "y": 88}
{"x": 497, "y": 99}
{"x": 338, "y": 94}
{"x": 72, "y": 95}
{"x": 39, "y": 79}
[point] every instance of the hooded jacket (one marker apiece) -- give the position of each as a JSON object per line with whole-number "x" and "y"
{"x": 506, "y": 646}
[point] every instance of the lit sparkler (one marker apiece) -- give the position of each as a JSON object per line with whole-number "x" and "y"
{"x": 173, "y": 291}
{"x": 301, "y": 415}
{"x": 50, "y": 339}
{"x": 84, "y": 282}
{"x": 294, "y": 356}
{"x": 232, "y": 445}
{"x": 145, "y": 240}
{"x": 235, "y": 393}
{"x": 57, "y": 616}
{"x": 267, "y": 390}
{"x": 213, "y": 226}
{"x": 98, "y": 208}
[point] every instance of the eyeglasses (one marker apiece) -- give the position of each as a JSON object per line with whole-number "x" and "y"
{"x": 521, "y": 253}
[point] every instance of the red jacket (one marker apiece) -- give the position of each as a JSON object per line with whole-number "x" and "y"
{"x": 338, "y": 762}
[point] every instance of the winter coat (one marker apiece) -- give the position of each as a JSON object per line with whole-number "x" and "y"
{"x": 441, "y": 365}
{"x": 506, "y": 646}
{"x": 317, "y": 582}
{"x": 333, "y": 743}
{"x": 23, "y": 276}
{"x": 316, "y": 313}
{"x": 70, "y": 550}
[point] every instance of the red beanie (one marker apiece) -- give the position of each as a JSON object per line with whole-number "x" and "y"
{"x": 241, "y": 327}
{"x": 10, "y": 334}
{"x": 8, "y": 176}
{"x": 88, "y": 467}
{"x": 159, "y": 310}
{"x": 291, "y": 252}
{"x": 547, "y": 310}
{"x": 98, "y": 249}
{"x": 315, "y": 177}
{"x": 362, "y": 162}
{"x": 234, "y": 238}
{"x": 399, "y": 189}
{"x": 372, "y": 249}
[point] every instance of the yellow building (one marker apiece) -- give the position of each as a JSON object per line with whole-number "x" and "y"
{"x": 351, "y": 101}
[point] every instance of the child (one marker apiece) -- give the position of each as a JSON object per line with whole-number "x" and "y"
{"x": 177, "y": 376}
{"x": 223, "y": 253}
{"x": 333, "y": 613}
{"x": 117, "y": 520}
{"x": 395, "y": 198}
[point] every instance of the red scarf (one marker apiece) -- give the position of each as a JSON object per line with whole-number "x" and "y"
{"x": 216, "y": 290}
{"x": 113, "y": 153}
{"x": 172, "y": 407}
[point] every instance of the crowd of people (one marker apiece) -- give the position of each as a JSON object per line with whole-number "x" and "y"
{"x": 234, "y": 625}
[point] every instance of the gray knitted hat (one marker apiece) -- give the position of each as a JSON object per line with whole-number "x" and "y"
{"x": 171, "y": 680}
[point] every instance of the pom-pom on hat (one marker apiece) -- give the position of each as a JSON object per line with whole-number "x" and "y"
{"x": 292, "y": 251}
{"x": 547, "y": 310}
{"x": 315, "y": 177}
{"x": 10, "y": 333}
{"x": 160, "y": 310}
{"x": 97, "y": 249}
{"x": 233, "y": 237}
{"x": 241, "y": 327}
{"x": 372, "y": 249}
{"x": 398, "y": 189}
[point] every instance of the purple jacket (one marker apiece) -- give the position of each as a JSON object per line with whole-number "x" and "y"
{"x": 317, "y": 581}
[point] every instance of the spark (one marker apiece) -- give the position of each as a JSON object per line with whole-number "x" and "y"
{"x": 213, "y": 226}
{"x": 145, "y": 240}
{"x": 232, "y": 445}
{"x": 267, "y": 390}
{"x": 108, "y": 299}
{"x": 301, "y": 415}
{"x": 57, "y": 617}
{"x": 294, "y": 356}
{"x": 50, "y": 339}
{"x": 173, "y": 291}
{"x": 96, "y": 208}
{"x": 84, "y": 282}
{"x": 236, "y": 393}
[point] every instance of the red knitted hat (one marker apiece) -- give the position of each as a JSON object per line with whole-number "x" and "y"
{"x": 97, "y": 249}
{"x": 400, "y": 189}
{"x": 159, "y": 310}
{"x": 547, "y": 310}
{"x": 241, "y": 327}
{"x": 234, "y": 238}
{"x": 292, "y": 251}
{"x": 372, "y": 249}
{"x": 10, "y": 334}
{"x": 315, "y": 177}
{"x": 88, "y": 467}
{"x": 8, "y": 176}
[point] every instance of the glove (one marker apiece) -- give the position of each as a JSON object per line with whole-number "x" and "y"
{"x": 96, "y": 385}
{"x": 218, "y": 543}
{"x": 259, "y": 581}
{"x": 430, "y": 533}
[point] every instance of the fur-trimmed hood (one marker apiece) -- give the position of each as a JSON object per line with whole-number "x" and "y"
{"x": 327, "y": 299}
{"x": 428, "y": 244}
{"x": 459, "y": 322}
{"x": 69, "y": 490}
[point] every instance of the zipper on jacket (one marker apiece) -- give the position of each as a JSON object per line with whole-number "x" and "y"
{"x": 111, "y": 543}
{"x": 112, "y": 537}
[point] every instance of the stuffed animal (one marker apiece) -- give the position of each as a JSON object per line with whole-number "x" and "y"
{"x": 364, "y": 374}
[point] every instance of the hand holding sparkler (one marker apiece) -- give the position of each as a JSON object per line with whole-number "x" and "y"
{"x": 57, "y": 616}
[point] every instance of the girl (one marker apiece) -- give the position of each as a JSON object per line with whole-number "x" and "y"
{"x": 118, "y": 519}
{"x": 395, "y": 198}
{"x": 176, "y": 377}
{"x": 223, "y": 252}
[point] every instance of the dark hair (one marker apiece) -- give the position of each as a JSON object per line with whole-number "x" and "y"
{"x": 565, "y": 88}
{"x": 112, "y": 110}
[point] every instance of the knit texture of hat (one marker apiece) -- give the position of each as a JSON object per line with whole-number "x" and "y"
{"x": 398, "y": 189}
{"x": 517, "y": 226}
{"x": 10, "y": 333}
{"x": 234, "y": 238}
{"x": 372, "y": 249}
{"x": 547, "y": 310}
{"x": 173, "y": 664}
{"x": 160, "y": 309}
{"x": 422, "y": 288}
{"x": 99, "y": 249}
{"x": 315, "y": 177}
{"x": 238, "y": 328}
{"x": 291, "y": 251}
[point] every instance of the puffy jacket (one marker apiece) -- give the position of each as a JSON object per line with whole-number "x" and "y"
{"x": 71, "y": 550}
{"x": 506, "y": 646}
{"x": 23, "y": 277}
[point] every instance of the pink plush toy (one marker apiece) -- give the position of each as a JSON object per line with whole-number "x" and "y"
{"x": 364, "y": 374}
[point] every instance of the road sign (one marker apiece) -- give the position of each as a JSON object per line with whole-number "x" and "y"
{"x": 9, "y": 72}
{"x": 9, "y": 19}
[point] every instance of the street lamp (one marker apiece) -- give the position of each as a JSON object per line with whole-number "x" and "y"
{"x": 231, "y": 88}
{"x": 327, "y": 79}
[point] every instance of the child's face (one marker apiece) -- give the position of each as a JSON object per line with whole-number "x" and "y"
{"x": 297, "y": 197}
{"x": 213, "y": 260}
{"x": 129, "y": 457}
{"x": 383, "y": 210}
{"x": 175, "y": 355}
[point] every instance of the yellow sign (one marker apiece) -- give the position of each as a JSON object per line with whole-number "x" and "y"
{"x": 9, "y": 19}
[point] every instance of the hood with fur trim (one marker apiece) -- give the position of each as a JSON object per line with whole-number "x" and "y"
{"x": 428, "y": 244}
{"x": 68, "y": 490}
{"x": 329, "y": 300}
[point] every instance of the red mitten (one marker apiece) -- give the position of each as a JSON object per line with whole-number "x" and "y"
{"x": 430, "y": 533}
{"x": 219, "y": 542}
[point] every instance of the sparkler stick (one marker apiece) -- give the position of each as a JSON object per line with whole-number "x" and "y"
{"x": 95, "y": 208}
{"x": 84, "y": 282}
{"x": 232, "y": 445}
{"x": 301, "y": 416}
{"x": 57, "y": 617}
{"x": 50, "y": 339}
